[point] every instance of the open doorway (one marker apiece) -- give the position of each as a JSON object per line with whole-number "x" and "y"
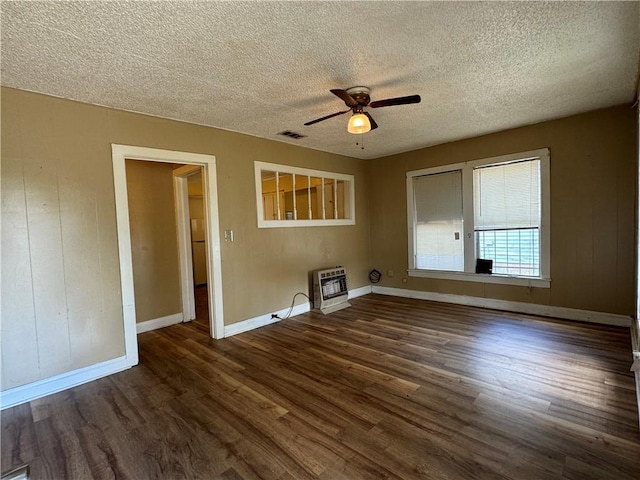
{"x": 192, "y": 220}
{"x": 207, "y": 164}
{"x": 199, "y": 249}
{"x": 154, "y": 244}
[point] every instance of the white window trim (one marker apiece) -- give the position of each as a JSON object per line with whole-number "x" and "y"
{"x": 262, "y": 223}
{"x": 466, "y": 168}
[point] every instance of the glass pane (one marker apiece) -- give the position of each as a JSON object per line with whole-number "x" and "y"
{"x": 269, "y": 195}
{"x": 343, "y": 199}
{"x": 439, "y": 234}
{"x": 285, "y": 186}
{"x": 329, "y": 198}
{"x": 514, "y": 252}
{"x": 315, "y": 195}
{"x": 302, "y": 197}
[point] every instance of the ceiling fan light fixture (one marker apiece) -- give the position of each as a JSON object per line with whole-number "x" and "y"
{"x": 359, "y": 123}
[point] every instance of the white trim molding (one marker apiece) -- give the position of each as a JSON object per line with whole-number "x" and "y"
{"x": 483, "y": 278}
{"x": 263, "y": 320}
{"x": 267, "y": 319}
{"x": 161, "y": 322}
{"x": 121, "y": 153}
{"x": 359, "y": 292}
{"x": 518, "y": 307}
{"x": 183, "y": 225}
{"x": 48, "y": 386}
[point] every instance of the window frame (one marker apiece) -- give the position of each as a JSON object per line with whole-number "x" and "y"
{"x": 259, "y": 167}
{"x": 466, "y": 169}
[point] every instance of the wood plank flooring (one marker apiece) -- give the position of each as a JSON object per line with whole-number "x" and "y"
{"x": 389, "y": 388}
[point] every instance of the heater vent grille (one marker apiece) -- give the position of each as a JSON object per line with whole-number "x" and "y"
{"x": 330, "y": 289}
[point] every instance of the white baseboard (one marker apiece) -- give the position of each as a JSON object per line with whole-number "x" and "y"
{"x": 262, "y": 320}
{"x": 42, "y": 388}
{"x": 519, "y": 307}
{"x": 359, "y": 292}
{"x": 159, "y": 322}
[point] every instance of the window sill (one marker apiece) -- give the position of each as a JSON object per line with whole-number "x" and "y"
{"x": 305, "y": 223}
{"x": 483, "y": 278}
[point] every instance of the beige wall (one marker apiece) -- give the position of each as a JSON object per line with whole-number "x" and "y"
{"x": 196, "y": 207}
{"x": 593, "y": 176}
{"x": 154, "y": 244}
{"x": 61, "y": 295}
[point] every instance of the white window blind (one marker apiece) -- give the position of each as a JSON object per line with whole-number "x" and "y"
{"x": 507, "y": 196}
{"x": 438, "y": 206}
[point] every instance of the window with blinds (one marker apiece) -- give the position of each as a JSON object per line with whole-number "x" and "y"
{"x": 491, "y": 209}
{"x": 438, "y": 200}
{"x": 506, "y": 206}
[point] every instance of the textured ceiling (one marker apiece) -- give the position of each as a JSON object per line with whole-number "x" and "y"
{"x": 264, "y": 67}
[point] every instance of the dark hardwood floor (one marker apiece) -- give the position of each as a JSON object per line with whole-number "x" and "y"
{"x": 389, "y": 388}
{"x": 202, "y": 309}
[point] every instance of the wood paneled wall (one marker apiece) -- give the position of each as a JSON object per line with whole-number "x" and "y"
{"x": 61, "y": 308}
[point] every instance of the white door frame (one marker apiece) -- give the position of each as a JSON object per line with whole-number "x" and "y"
{"x": 181, "y": 195}
{"x": 119, "y": 154}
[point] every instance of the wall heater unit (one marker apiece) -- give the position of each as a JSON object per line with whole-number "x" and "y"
{"x": 330, "y": 290}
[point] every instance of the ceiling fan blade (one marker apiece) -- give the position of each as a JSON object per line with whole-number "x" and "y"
{"x": 374, "y": 125}
{"x": 389, "y": 102}
{"x": 346, "y": 98}
{"x": 326, "y": 117}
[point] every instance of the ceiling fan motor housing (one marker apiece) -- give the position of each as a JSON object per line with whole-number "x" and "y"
{"x": 360, "y": 95}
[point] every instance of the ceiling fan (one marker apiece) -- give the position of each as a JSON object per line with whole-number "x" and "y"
{"x": 356, "y": 98}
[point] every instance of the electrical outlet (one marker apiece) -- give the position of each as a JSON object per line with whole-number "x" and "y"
{"x": 389, "y": 273}
{"x": 228, "y": 235}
